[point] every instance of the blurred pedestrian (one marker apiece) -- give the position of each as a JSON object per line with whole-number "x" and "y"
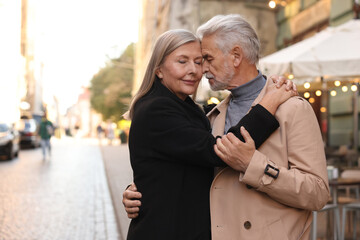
{"x": 46, "y": 130}
{"x": 110, "y": 133}
{"x": 99, "y": 131}
{"x": 122, "y": 136}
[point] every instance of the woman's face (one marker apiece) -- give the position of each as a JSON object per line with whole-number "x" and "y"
{"x": 181, "y": 71}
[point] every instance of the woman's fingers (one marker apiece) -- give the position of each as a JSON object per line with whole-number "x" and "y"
{"x": 246, "y": 135}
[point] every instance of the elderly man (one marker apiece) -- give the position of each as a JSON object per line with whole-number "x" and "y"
{"x": 269, "y": 192}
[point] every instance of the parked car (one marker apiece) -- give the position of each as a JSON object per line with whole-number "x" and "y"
{"x": 29, "y": 134}
{"x": 9, "y": 141}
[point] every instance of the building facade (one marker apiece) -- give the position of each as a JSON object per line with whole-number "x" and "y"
{"x": 12, "y": 80}
{"x": 33, "y": 64}
{"x": 80, "y": 119}
{"x": 21, "y": 68}
{"x": 300, "y": 19}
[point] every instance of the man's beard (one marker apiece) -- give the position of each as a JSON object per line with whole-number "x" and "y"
{"x": 217, "y": 85}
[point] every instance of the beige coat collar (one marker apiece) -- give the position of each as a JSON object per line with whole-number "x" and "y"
{"x": 262, "y": 93}
{"x": 217, "y": 117}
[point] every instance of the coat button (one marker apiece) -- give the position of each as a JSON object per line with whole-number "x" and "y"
{"x": 247, "y": 225}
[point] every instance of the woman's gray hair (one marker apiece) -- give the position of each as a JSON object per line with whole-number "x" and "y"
{"x": 165, "y": 44}
{"x": 231, "y": 30}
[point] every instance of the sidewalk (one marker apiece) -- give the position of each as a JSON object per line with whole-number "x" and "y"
{"x": 119, "y": 175}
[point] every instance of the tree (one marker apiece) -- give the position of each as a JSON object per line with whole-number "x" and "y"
{"x": 111, "y": 86}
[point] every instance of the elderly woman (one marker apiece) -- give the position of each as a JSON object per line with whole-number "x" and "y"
{"x": 171, "y": 146}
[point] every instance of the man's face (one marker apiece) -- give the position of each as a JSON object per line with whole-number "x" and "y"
{"x": 217, "y": 65}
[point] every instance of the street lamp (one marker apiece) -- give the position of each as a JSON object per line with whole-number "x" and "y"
{"x": 24, "y": 105}
{"x": 272, "y": 4}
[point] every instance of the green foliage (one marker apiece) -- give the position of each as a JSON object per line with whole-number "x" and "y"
{"x": 111, "y": 86}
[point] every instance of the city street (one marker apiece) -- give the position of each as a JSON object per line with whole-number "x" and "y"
{"x": 65, "y": 197}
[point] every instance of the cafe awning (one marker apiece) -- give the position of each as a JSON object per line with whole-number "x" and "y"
{"x": 333, "y": 52}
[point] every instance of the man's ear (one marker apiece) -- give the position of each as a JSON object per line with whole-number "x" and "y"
{"x": 237, "y": 55}
{"x": 159, "y": 73}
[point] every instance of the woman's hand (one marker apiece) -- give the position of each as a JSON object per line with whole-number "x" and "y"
{"x": 281, "y": 80}
{"x": 277, "y": 93}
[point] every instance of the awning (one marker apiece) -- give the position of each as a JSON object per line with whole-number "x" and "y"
{"x": 333, "y": 52}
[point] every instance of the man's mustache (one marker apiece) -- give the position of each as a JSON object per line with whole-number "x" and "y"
{"x": 209, "y": 75}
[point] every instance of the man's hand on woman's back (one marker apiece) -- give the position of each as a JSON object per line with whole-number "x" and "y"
{"x": 131, "y": 201}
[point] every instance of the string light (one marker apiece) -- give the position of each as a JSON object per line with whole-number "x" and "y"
{"x": 283, "y": 3}
{"x": 333, "y": 93}
{"x": 272, "y": 4}
{"x": 337, "y": 83}
{"x": 306, "y": 95}
{"x": 323, "y": 109}
{"x": 291, "y": 76}
{"x": 318, "y": 93}
{"x": 353, "y": 88}
{"x": 311, "y": 100}
{"x": 344, "y": 88}
{"x": 307, "y": 85}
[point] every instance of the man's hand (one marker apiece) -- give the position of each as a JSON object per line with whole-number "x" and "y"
{"x": 131, "y": 201}
{"x": 235, "y": 153}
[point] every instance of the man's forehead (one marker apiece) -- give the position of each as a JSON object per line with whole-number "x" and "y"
{"x": 207, "y": 51}
{"x": 207, "y": 45}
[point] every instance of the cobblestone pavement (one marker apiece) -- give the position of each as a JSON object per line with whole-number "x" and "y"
{"x": 66, "y": 197}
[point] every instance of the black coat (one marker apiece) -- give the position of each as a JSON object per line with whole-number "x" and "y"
{"x": 172, "y": 156}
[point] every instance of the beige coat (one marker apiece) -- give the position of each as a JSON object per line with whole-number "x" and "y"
{"x": 257, "y": 206}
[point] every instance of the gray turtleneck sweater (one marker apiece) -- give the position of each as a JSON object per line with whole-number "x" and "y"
{"x": 242, "y": 98}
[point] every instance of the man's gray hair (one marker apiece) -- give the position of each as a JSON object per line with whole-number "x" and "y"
{"x": 231, "y": 30}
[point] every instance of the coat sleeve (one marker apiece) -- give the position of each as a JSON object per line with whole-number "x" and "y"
{"x": 302, "y": 181}
{"x": 260, "y": 124}
{"x": 175, "y": 136}
{"x": 162, "y": 129}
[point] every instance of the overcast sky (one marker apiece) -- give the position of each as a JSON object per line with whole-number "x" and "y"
{"x": 76, "y": 39}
